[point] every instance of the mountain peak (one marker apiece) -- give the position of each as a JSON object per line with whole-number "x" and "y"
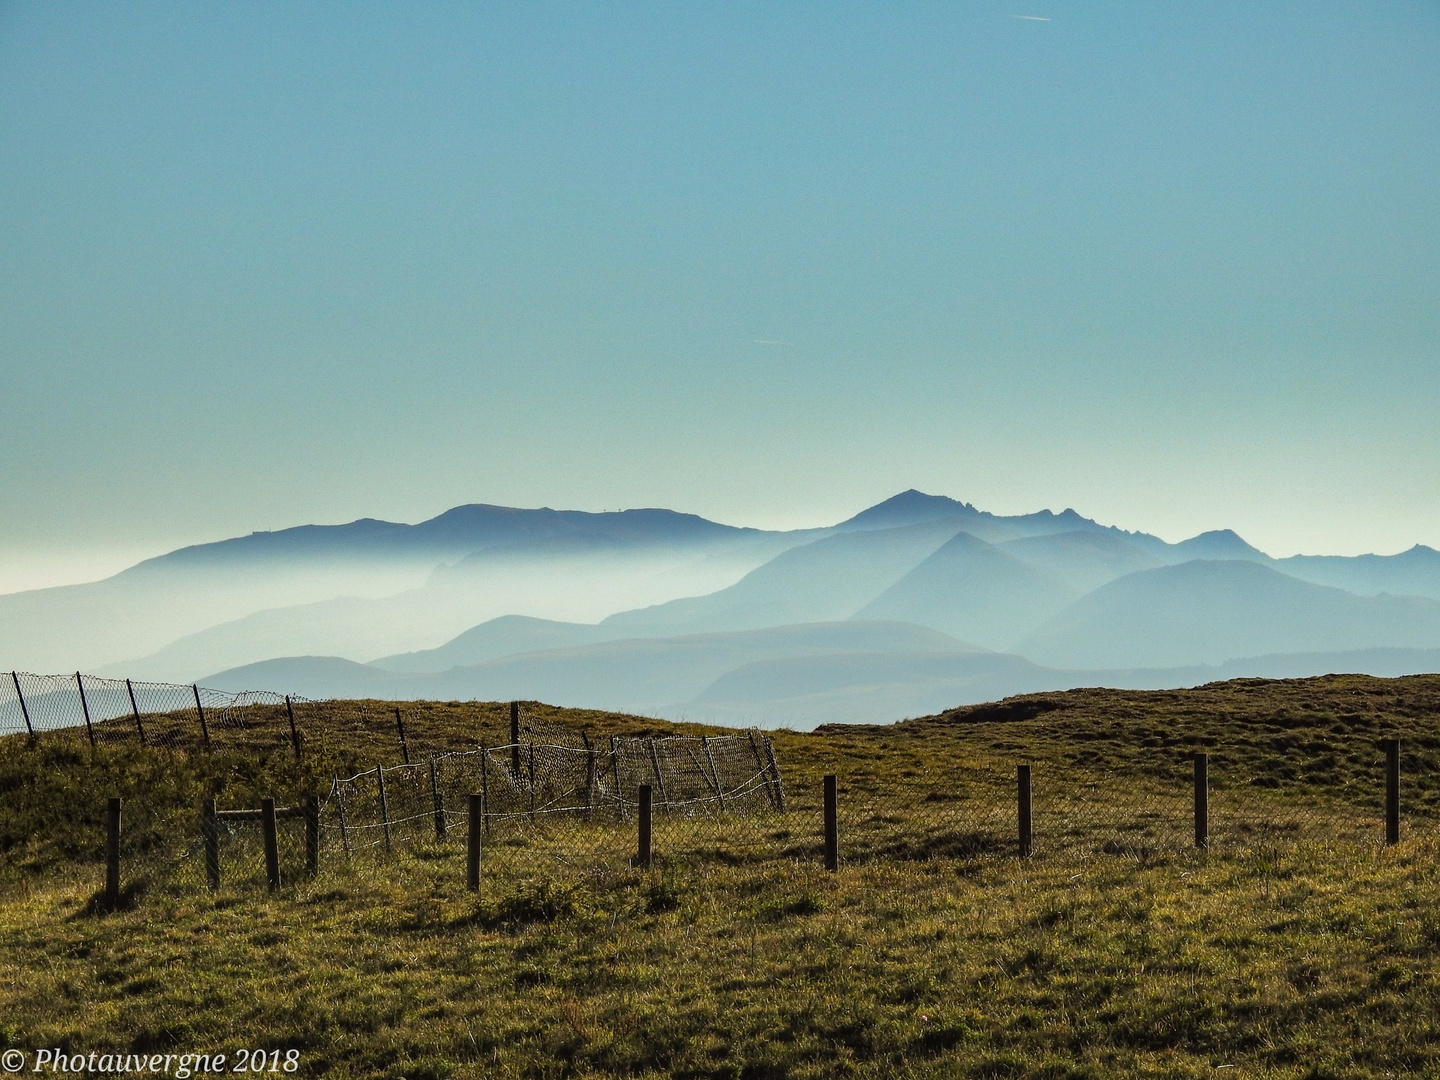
{"x": 1219, "y": 544}
{"x": 909, "y": 508}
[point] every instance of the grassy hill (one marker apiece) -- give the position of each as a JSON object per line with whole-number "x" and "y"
{"x": 1305, "y": 949}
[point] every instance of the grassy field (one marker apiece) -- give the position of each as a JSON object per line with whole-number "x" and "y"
{"x": 1305, "y": 952}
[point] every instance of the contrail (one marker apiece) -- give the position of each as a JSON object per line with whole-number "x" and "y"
{"x": 1031, "y": 18}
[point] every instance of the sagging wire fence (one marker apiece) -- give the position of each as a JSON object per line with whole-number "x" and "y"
{"x": 167, "y": 715}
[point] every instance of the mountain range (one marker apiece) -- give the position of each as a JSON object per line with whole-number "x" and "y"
{"x": 918, "y": 603}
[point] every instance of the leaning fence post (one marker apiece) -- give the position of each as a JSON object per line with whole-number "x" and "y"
{"x": 642, "y": 857}
{"x": 655, "y": 764}
{"x": 210, "y": 827}
{"x": 832, "y": 827}
{"x": 24, "y": 709}
{"x": 272, "y": 842}
{"x": 200, "y": 712}
{"x": 112, "y": 855}
{"x": 384, "y": 808}
{"x": 135, "y": 711}
{"x": 294, "y": 731}
{"x": 1202, "y": 800}
{"x": 473, "y": 841}
{"x": 760, "y": 765}
{"x": 515, "y": 739}
{"x": 438, "y": 802}
{"x": 1027, "y": 831}
{"x": 311, "y": 808}
{"x": 775, "y": 775}
{"x": 1392, "y": 791}
{"x": 85, "y": 708}
{"x": 404, "y": 746}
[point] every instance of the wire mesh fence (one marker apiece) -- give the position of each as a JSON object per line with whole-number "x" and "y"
{"x": 555, "y": 799}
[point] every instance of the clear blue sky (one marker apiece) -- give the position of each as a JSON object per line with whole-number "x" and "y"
{"x": 1175, "y": 265}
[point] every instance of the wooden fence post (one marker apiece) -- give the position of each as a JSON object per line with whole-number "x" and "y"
{"x": 85, "y": 708}
{"x": 832, "y": 826}
{"x": 515, "y": 739}
{"x": 438, "y": 802}
{"x": 384, "y": 807}
{"x": 311, "y": 808}
{"x": 112, "y": 855}
{"x": 210, "y": 827}
{"x": 272, "y": 842}
{"x": 294, "y": 731}
{"x": 642, "y": 856}
{"x": 473, "y": 841}
{"x": 404, "y": 746}
{"x": 24, "y": 709}
{"x": 200, "y": 712}
{"x": 1202, "y": 800}
{"x": 1392, "y": 791}
{"x": 135, "y": 711}
{"x": 1027, "y": 824}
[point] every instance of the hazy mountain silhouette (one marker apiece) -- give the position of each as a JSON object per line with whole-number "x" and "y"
{"x": 201, "y": 591}
{"x": 823, "y": 580}
{"x": 504, "y": 636}
{"x": 1411, "y": 573}
{"x": 1084, "y": 559}
{"x": 974, "y": 591}
{"x": 634, "y": 674}
{"x": 1219, "y": 544}
{"x": 1206, "y": 612}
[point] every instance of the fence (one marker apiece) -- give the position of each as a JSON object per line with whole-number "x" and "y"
{"x": 569, "y": 817}
{"x": 168, "y": 715}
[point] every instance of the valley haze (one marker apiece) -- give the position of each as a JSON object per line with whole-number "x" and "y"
{"x": 916, "y": 604}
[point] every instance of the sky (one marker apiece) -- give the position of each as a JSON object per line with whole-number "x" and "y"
{"x": 262, "y": 264}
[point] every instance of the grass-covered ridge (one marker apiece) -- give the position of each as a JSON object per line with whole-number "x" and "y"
{"x": 1314, "y": 957}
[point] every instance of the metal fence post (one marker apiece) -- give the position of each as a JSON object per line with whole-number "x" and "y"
{"x": 1202, "y": 800}
{"x": 24, "y": 709}
{"x": 85, "y": 708}
{"x": 200, "y": 712}
{"x": 272, "y": 842}
{"x": 135, "y": 711}
{"x": 832, "y": 827}
{"x": 1027, "y": 824}
{"x": 473, "y": 841}
{"x": 294, "y": 731}
{"x": 1392, "y": 791}
{"x": 112, "y": 855}
{"x": 642, "y": 856}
